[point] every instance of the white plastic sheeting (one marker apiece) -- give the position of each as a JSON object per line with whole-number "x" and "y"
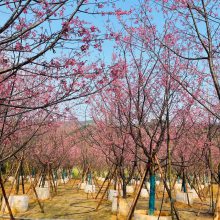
{"x": 182, "y": 197}
{"x": 144, "y": 193}
{"x": 18, "y": 203}
{"x": 130, "y": 189}
{"x": 142, "y": 215}
{"x": 111, "y": 194}
{"x": 90, "y": 189}
{"x": 43, "y": 192}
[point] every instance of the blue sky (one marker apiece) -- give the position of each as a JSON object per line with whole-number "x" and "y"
{"x": 96, "y": 20}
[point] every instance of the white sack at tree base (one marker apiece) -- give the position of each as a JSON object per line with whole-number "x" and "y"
{"x": 56, "y": 182}
{"x": 20, "y": 178}
{"x": 206, "y": 184}
{"x": 124, "y": 207}
{"x": 129, "y": 189}
{"x": 11, "y": 179}
{"x": 157, "y": 182}
{"x": 82, "y": 185}
{"x": 43, "y": 192}
{"x": 194, "y": 194}
{"x": 65, "y": 180}
{"x": 111, "y": 194}
{"x": 18, "y": 203}
{"x": 144, "y": 193}
{"x": 114, "y": 205}
{"x": 100, "y": 179}
{"x": 90, "y": 189}
{"x": 40, "y": 184}
{"x": 118, "y": 187}
{"x": 202, "y": 186}
{"x": 31, "y": 180}
{"x": 133, "y": 181}
{"x": 178, "y": 186}
{"x": 142, "y": 215}
{"x": 182, "y": 197}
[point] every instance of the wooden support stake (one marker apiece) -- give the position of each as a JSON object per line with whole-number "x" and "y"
{"x": 22, "y": 177}
{"x": 103, "y": 183}
{"x": 49, "y": 183}
{"x": 35, "y": 192}
{"x": 167, "y": 188}
{"x": 6, "y": 199}
{"x": 12, "y": 168}
{"x": 105, "y": 189}
{"x": 131, "y": 211}
{"x": 53, "y": 181}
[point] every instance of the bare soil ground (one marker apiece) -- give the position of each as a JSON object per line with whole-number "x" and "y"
{"x": 71, "y": 203}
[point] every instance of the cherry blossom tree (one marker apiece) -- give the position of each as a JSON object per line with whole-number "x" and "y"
{"x": 43, "y": 53}
{"x": 111, "y": 137}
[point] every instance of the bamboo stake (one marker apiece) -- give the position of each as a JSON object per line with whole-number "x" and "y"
{"x": 6, "y": 199}
{"x": 22, "y": 177}
{"x": 167, "y": 188}
{"x": 131, "y": 211}
{"x": 103, "y": 183}
{"x": 49, "y": 183}
{"x": 37, "y": 177}
{"x": 105, "y": 190}
{"x": 35, "y": 192}
{"x": 5, "y": 180}
{"x": 53, "y": 181}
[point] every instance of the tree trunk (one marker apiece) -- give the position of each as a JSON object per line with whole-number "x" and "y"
{"x": 124, "y": 188}
{"x": 115, "y": 183}
{"x": 152, "y": 193}
{"x": 184, "y": 183}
